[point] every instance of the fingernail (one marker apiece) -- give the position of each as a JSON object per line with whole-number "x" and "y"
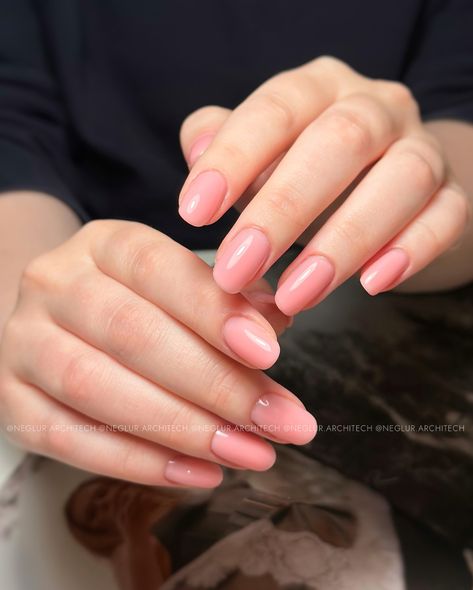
{"x": 284, "y": 419}
{"x": 251, "y": 342}
{"x": 241, "y": 259}
{"x": 199, "y": 147}
{"x": 193, "y": 472}
{"x": 203, "y": 198}
{"x": 243, "y": 449}
{"x": 304, "y": 284}
{"x": 380, "y": 275}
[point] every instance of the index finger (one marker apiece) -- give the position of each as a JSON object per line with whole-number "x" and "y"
{"x": 178, "y": 282}
{"x": 253, "y": 136}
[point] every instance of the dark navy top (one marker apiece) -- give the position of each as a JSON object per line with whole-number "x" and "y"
{"x": 92, "y": 92}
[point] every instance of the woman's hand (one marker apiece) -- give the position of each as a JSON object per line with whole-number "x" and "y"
{"x": 121, "y": 326}
{"x": 322, "y": 142}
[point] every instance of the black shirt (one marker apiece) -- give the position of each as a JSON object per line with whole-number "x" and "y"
{"x": 92, "y": 92}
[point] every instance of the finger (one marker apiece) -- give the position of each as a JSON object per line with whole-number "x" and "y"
{"x": 148, "y": 341}
{"x": 177, "y": 281}
{"x": 50, "y": 429}
{"x": 433, "y": 232}
{"x": 84, "y": 378}
{"x": 261, "y": 296}
{"x": 401, "y": 183}
{"x": 325, "y": 159}
{"x": 199, "y": 129}
{"x": 254, "y": 135}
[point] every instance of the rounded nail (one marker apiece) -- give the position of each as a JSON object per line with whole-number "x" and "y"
{"x": 251, "y": 342}
{"x": 241, "y": 259}
{"x": 385, "y": 271}
{"x": 283, "y": 419}
{"x": 304, "y": 284}
{"x": 203, "y": 198}
{"x": 243, "y": 449}
{"x": 192, "y": 472}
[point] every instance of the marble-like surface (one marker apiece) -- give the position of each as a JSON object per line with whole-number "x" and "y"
{"x": 403, "y": 362}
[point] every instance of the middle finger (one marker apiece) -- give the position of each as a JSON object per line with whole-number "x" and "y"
{"x": 325, "y": 159}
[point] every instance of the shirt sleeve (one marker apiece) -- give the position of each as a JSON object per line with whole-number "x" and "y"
{"x": 35, "y": 138}
{"x": 439, "y": 66}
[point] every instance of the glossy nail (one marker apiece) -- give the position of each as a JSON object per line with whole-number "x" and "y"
{"x": 283, "y": 419}
{"x": 305, "y": 283}
{"x": 251, "y": 342}
{"x": 385, "y": 271}
{"x": 241, "y": 259}
{"x": 243, "y": 449}
{"x": 193, "y": 472}
{"x": 199, "y": 147}
{"x": 203, "y": 198}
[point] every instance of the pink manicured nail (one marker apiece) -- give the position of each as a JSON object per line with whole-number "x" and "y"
{"x": 241, "y": 259}
{"x": 243, "y": 449}
{"x": 380, "y": 275}
{"x": 284, "y": 419}
{"x": 203, "y": 198}
{"x": 193, "y": 472}
{"x": 251, "y": 342}
{"x": 304, "y": 284}
{"x": 199, "y": 147}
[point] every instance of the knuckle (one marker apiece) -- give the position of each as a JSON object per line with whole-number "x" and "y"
{"x": 130, "y": 331}
{"x": 55, "y": 440}
{"x": 223, "y": 387}
{"x": 329, "y": 62}
{"x": 398, "y": 94}
{"x": 231, "y": 152}
{"x": 276, "y": 107}
{"x": 35, "y": 275}
{"x": 81, "y": 380}
{"x": 288, "y": 203}
{"x": 351, "y": 129}
{"x": 144, "y": 259}
{"x": 349, "y": 231}
{"x": 427, "y": 235}
{"x": 425, "y": 167}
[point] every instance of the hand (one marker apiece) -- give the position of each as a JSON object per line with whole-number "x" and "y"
{"x": 322, "y": 143}
{"x": 121, "y": 326}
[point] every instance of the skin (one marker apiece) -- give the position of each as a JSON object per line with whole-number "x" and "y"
{"x": 343, "y": 164}
{"x": 94, "y": 340}
{"x": 100, "y": 333}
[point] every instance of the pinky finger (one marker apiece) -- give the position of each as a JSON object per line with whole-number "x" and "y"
{"x": 53, "y": 430}
{"x": 438, "y": 227}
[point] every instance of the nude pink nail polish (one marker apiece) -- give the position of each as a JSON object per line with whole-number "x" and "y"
{"x": 199, "y": 147}
{"x": 251, "y": 342}
{"x": 241, "y": 260}
{"x": 283, "y": 419}
{"x": 193, "y": 472}
{"x": 304, "y": 284}
{"x": 385, "y": 271}
{"x": 203, "y": 198}
{"x": 243, "y": 449}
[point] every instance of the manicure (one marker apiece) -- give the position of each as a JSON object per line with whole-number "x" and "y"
{"x": 203, "y": 198}
{"x": 385, "y": 271}
{"x": 241, "y": 259}
{"x": 199, "y": 147}
{"x": 304, "y": 284}
{"x": 188, "y": 471}
{"x": 283, "y": 419}
{"x": 250, "y": 341}
{"x": 243, "y": 449}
